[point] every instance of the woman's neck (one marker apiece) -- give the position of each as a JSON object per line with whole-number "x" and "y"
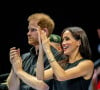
{"x": 75, "y": 57}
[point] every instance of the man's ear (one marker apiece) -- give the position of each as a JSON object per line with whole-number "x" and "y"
{"x": 46, "y": 30}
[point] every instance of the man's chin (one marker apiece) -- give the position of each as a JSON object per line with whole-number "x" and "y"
{"x": 30, "y": 43}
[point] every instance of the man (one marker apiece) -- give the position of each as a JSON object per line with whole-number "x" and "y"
{"x": 55, "y": 41}
{"x": 22, "y": 76}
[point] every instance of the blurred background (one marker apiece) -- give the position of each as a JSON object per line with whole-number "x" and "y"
{"x": 14, "y": 24}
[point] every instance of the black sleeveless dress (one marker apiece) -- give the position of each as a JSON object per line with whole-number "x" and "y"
{"x": 73, "y": 84}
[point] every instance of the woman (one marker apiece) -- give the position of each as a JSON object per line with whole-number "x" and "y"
{"x": 77, "y": 72}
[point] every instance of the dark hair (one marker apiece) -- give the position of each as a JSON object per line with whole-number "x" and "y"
{"x": 79, "y": 34}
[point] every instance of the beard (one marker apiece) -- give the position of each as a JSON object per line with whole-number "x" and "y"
{"x": 32, "y": 41}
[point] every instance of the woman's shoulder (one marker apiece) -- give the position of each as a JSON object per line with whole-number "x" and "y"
{"x": 87, "y": 62}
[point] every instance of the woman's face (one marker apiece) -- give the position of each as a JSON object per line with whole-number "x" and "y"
{"x": 69, "y": 44}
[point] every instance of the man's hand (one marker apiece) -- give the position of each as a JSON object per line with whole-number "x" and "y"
{"x": 15, "y": 59}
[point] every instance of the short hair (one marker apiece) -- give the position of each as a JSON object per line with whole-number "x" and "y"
{"x": 44, "y": 21}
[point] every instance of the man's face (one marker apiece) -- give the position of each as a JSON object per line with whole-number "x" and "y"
{"x": 32, "y": 32}
{"x": 57, "y": 46}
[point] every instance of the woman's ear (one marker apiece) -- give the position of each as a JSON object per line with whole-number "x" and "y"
{"x": 79, "y": 42}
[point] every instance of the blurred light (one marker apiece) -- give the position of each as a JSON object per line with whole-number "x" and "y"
{"x": 98, "y": 48}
